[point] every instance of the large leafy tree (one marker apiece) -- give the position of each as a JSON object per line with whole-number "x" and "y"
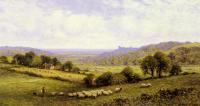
{"x": 149, "y": 65}
{"x": 163, "y": 63}
{"x": 29, "y": 58}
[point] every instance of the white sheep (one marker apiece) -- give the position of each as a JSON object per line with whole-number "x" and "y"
{"x": 105, "y": 92}
{"x": 118, "y": 89}
{"x": 109, "y": 91}
{"x": 61, "y": 93}
{"x": 99, "y": 93}
{"x": 53, "y": 93}
{"x": 81, "y": 95}
{"x": 70, "y": 94}
{"x": 149, "y": 84}
{"x": 143, "y": 85}
{"x": 74, "y": 94}
{"x": 88, "y": 94}
{"x": 94, "y": 95}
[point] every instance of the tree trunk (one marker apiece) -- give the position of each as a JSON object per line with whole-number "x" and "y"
{"x": 160, "y": 73}
{"x": 152, "y": 73}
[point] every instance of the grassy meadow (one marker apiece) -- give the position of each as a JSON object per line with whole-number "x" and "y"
{"x": 17, "y": 88}
{"x": 53, "y": 74}
{"x": 98, "y": 70}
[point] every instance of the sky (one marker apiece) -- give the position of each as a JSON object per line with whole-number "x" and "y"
{"x": 97, "y": 24}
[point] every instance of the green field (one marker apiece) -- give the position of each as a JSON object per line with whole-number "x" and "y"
{"x": 16, "y": 89}
{"x": 98, "y": 70}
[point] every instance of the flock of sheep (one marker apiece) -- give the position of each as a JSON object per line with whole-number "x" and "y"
{"x": 82, "y": 94}
{"x": 93, "y": 93}
{"x": 87, "y": 94}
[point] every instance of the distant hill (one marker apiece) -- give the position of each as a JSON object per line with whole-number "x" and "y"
{"x": 10, "y": 51}
{"x": 133, "y": 57}
{"x": 163, "y": 45}
{"x": 75, "y": 55}
{"x": 120, "y": 50}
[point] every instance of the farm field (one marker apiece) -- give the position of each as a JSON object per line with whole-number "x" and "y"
{"x": 54, "y": 74}
{"x": 16, "y": 89}
{"x": 98, "y": 70}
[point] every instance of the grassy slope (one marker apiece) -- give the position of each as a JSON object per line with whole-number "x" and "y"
{"x": 185, "y": 45}
{"x": 54, "y": 74}
{"x": 16, "y": 89}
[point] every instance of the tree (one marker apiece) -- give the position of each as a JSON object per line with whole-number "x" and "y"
{"x": 18, "y": 59}
{"x": 128, "y": 73}
{"x": 37, "y": 62}
{"x": 89, "y": 80}
{"x": 67, "y": 65}
{"x": 163, "y": 63}
{"x": 29, "y": 58}
{"x": 4, "y": 59}
{"x": 105, "y": 79}
{"x": 175, "y": 70}
{"x": 149, "y": 63}
{"x": 45, "y": 61}
{"x": 76, "y": 69}
{"x": 172, "y": 56}
{"x": 54, "y": 61}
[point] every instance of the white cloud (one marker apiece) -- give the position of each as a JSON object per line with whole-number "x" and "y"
{"x": 24, "y": 23}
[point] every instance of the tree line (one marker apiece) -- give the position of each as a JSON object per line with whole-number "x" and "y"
{"x": 30, "y": 59}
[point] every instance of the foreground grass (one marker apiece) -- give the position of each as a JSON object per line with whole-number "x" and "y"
{"x": 16, "y": 89}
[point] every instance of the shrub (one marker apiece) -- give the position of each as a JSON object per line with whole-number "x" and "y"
{"x": 76, "y": 69}
{"x": 136, "y": 78}
{"x": 89, "y": 80}
{"x": 67, "y": 65}
{"x": 175, "y": 70}
{"x": 118, "y": 79}
{"x": 105, "y": 79}
{"x": 128, "y": 73}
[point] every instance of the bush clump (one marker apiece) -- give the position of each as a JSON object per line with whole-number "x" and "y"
{"x": 136, "y": 78}
{"x": 118, "y": 78}
{"x": 175, "y": 70}
{"x": 105, "y": 79}
{"x": 131, "y": 77}
{"x": 128, "y": 73}
{"x": 76, "y": 70}
{"x": 89, "y": 80}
